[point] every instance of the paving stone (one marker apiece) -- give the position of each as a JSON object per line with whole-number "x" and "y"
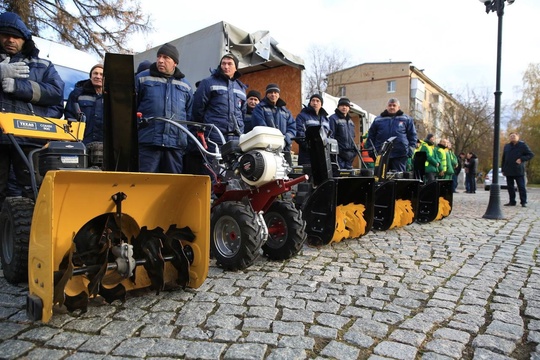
{"x": 331, "y": 320}
{"x": 323, "y": 332}
{"x": 287, "y": 353}
{"x": 494, "y": 343}
{"x": 297, "y": 342}
{"x": 483, "y": 354}
{"x": 169, "y": 347}
{"x": 49, "y": 354}
{"x": 300, "y": 315}
{"x": 339, "y": 350}
{"x": 288, "y": 328}
{"x": 246, "y": 351}
{"x": 262, "y": 338}
{"x": 461, "y": 337}
{"x": 204, "y": 350}
{"x": 13, "y": 349}
{"x": 102, "y": 344}
{"x": 505, "y": 330}
{"x": 395, "y": 350}
{"x": 408, "y": 337}
{"x": 68, "y": 340}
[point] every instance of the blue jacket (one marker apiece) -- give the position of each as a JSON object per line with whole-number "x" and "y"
{"x": 308, "y": 117}
{"x": 91, "y": 104}
{"x": 399, "y": 125}
{"x": 276, "y": 116}
{"x": 221, "y": 101}
{"x": 342, "y": 128}
{"x": 43, "y": 89}
{"x": 170, "y": 97}
{"x": 511, "y": 153}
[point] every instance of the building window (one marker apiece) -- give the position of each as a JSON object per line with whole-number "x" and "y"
{"x": 391, "y": 86}
{"x": 342, "y": 91}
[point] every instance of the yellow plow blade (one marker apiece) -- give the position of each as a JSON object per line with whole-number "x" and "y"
{"x": 69, "y": 200}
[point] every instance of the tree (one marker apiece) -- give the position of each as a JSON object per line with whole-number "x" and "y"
{"x": 322, "y": 61}
{"x": 469, "y": 126}
{"x": 526, "y": 119}
{"x": 97, "y": 26}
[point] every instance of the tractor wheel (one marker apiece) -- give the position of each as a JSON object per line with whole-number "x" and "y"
{"x": 15, "y": 221}
{"x": 286, "y": 231}
{"x": 236, "y": 240}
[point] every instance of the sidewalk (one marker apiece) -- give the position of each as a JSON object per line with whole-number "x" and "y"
{"x": 460, "y": 288}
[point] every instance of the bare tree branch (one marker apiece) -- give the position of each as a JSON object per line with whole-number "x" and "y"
{"x": 97, "y": 26}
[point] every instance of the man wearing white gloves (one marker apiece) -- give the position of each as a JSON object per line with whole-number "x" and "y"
{"x": 29, "y": 85}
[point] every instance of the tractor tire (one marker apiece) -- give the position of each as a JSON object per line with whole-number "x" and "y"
{"x": 15, "y": 221}
{"x": 286, "y": 231}
{"x": 236, "y": 241}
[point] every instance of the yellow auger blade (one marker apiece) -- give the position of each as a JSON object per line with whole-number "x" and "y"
{"x": 350, "y": 222}
{"x": 444, "y": 208}
{"x": 403, "y": 213}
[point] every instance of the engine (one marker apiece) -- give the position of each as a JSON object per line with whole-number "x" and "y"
{"x": 262, "y": 160}
{"x": 258, "y": 167}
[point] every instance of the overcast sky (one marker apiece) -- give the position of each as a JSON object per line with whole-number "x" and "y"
{"x": 454, "y": 41}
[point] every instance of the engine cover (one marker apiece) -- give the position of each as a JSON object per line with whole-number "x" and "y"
{"x": 258, "y": 167}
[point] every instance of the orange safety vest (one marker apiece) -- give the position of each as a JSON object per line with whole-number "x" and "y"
{"x": 365, "y": 155}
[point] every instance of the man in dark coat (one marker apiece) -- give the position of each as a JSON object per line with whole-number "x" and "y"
{"x": 343, "y": 131}
{"x": 162, "y": 91}
{"x": 87, "y": 97}
{"x": 515, "y": 154}
{"x": 393, "y": 122}
{"x": 28, "y": 84}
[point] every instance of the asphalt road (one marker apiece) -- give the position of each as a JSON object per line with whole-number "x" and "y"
{"x": 460, "y": 288}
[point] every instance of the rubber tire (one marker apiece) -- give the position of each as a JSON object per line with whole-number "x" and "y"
{"x": 285, "y": 218}
{"x": 245, "y": 233}
{"x": 15, "y": 222}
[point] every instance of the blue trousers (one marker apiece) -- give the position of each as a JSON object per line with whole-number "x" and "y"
{"x": 520, "y": 181}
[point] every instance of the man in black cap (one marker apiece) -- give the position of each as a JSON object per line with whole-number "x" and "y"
{"x": 312, "y": 115}
{"x": 220, "y": 99}
{"x": 342, "y": 128}
{"x": 253, "y": 98}
{"x": 162, "y": 91}
{"x": 271, "y": 111}
{"x": 29, "y": 84}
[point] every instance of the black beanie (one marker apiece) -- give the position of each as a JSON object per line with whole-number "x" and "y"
{"x": 316, "y": 96}
{"x": 272, "y": 87}
{"x": 230, "y": 56}
{"x": 429, "y": 136}
{"x": 170, "y": 51}
{"x": 254, "y": 93}
{"x": 344, "y": 101}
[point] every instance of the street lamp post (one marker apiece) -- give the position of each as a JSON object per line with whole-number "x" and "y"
{"x": 494, "y": 207}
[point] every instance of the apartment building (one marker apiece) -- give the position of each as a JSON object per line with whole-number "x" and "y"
{"x": 372, "y": 84}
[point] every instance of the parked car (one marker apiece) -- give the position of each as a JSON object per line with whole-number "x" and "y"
{"x": 502, "y": 180}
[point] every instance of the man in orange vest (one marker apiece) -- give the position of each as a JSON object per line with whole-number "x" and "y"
{"x": 367, "y": 161}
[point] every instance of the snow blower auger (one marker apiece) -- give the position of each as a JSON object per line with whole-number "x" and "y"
{"x": 435, "y": 198}
{"x": 91, "y": 232}
{"x": 334, "y": 208}
{"x": 396, "y": 196}
{"x": 435, "y": 201}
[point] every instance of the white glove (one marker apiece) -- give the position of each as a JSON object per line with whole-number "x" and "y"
{"x": 8, "y": 85}
{"x": 16, "y": 70}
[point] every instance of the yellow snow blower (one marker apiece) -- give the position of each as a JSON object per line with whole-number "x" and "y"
{"x": 88, "y": 233}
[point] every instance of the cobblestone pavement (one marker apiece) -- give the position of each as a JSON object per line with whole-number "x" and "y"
{"x": 460, "y": 288}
